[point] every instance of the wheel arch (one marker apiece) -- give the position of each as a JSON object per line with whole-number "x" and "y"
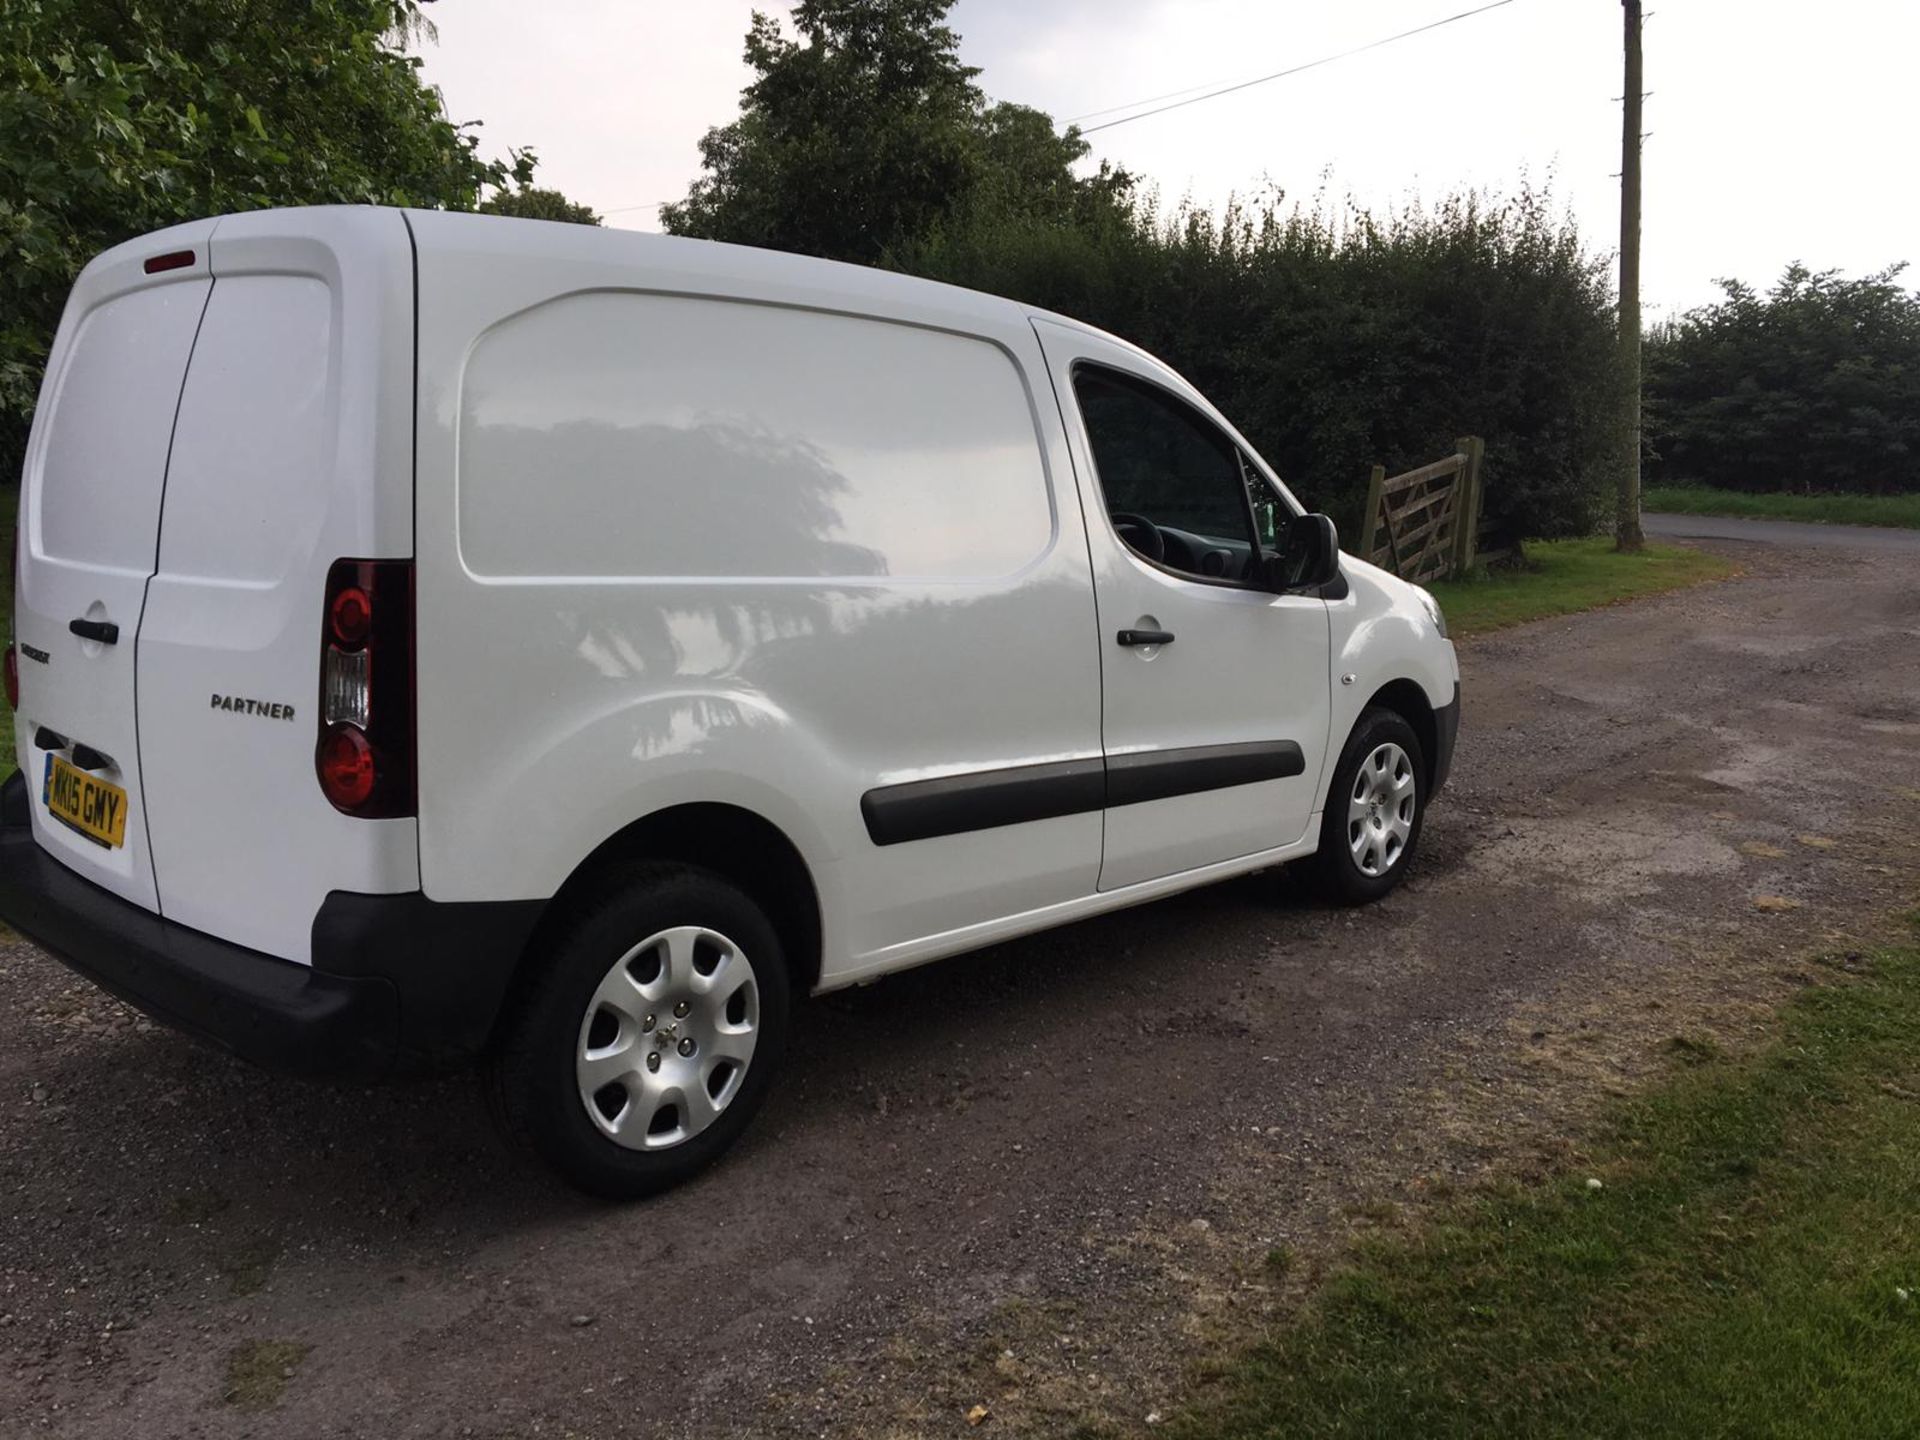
{"x": 736, "y": 843}
{"x": 1407, "y": 699}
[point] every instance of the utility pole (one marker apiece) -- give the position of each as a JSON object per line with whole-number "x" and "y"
{"x": 1627, "y": 534}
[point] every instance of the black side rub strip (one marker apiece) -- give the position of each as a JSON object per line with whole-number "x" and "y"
{"x": 1162, "y": 774}
{"x": 955, "y": 804}
{"x": 985, "y": 799}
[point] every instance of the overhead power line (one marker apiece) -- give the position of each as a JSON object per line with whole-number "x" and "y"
{"x": 1193, "y": 99}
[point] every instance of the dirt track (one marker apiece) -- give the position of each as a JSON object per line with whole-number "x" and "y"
{"x": 1036, "y": 1179}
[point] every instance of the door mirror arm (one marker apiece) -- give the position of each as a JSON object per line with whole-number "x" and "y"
{"x": 1309, "y": 559}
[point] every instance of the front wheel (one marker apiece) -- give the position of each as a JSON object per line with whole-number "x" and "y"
{"x": 650, "y": 1033}
{"x": 1375, "y": 806}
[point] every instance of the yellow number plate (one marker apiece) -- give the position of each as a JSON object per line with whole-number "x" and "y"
{"x": 86, "y": 802}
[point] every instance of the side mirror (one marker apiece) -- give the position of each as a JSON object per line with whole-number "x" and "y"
{"x": 1309, "y": 559}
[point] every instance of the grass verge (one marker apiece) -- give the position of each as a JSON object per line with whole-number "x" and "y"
{"x": 1564, "y": 576}
{"x": 1901, "y": 511}
{"x": 1748, "y": 1264}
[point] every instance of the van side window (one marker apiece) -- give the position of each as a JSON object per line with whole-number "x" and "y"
{"x": 1172, "y": 481}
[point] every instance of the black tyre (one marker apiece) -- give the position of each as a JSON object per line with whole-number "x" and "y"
{"x": 1375, "y": 807}
{"x": 649, "y": 1033}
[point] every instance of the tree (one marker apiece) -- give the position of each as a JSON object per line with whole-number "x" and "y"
{"x": 122, "y": 116}
{"x": 865, "y": 133}
{"x": 529, "y": 202}
{"x": 1814, "y": 386}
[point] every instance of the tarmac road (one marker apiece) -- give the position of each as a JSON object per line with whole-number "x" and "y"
{"x": 1786, "y": 533}
{"x": 1036, "y": 1178}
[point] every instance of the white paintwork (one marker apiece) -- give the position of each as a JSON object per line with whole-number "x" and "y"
{"x": 587, "y": 700}
{"x": 691, "y": 524}
{"x": 89, "y": 514}
{"x": 292, "y": 449}
{"x": 1381, "y": 633}
{"x": 614, "y": 434}
{"x": 1244, "y": 665}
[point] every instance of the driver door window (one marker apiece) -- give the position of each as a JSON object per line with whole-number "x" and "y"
{"x": 1172, "y": 482}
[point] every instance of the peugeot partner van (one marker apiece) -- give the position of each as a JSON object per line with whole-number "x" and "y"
{"x": 443, "y": 637}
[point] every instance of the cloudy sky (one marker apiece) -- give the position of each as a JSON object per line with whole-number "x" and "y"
{"x": 1775, "y": 132}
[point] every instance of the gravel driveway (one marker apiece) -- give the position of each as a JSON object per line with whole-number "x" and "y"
{"x": 1039, "y": 1179}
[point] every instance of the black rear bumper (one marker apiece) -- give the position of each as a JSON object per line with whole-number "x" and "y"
{"x": 397, "y": 981}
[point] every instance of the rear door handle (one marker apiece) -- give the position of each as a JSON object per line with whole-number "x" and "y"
{"x": 105, "y": 631}
{"x": 1145, "y": 637}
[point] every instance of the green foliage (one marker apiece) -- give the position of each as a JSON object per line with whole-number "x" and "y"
{"x": 1337, "y": 341}
{"x": 1746, "y": 1266}
{"x": 528, "y": 202}
{"x": 119, "y": 117}
{"x": 865, "y": 132}
{"x": 1902, "y": 511}
{"x": 1811, "y": 388}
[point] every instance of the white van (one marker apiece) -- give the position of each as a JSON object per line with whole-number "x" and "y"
{"x": 442, "y": 636}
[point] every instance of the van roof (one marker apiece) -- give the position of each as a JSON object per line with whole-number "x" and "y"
{"x": 672, "y": 262}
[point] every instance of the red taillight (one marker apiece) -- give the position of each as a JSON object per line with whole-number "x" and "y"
{"x": 13, "y": 677}
{"x": 351, "y": 615}
{"x": 346, "y": 767}
{"x": 172, "y": 260}
{"x": 365, "y": 752}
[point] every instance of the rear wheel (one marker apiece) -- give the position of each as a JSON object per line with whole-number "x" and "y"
{"x": 650, "y": 1035}
{"x": 1375, "y": 807}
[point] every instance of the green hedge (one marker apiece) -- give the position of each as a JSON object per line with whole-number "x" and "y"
{"x": 1338, "y": 340}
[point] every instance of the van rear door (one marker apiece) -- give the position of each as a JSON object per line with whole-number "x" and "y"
{"x": 293, "y": 449}
{"x": 89, "y": 522}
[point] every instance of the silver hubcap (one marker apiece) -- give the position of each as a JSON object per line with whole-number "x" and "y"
{"x": 667, "y": 1038}
{"x": 1380, "y": 810}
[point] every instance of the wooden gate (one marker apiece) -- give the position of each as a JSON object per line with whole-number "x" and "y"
{"x": 1425, "y": 525}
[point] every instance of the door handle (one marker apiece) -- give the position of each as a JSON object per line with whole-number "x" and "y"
{"x": 1145, "y": 637}
{"x": 105, "y": 631}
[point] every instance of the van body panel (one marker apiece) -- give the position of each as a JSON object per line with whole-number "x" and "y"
{"x": 89, "y": 520}
{"x": 808, "y": 436}
{"x": 1380, "y": 633}
{"x": 292, "y": 449}
{"x": 852, "y": 638}
{"x": 1246, "y": 669}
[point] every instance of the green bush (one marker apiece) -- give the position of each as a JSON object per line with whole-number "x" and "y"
{"x": 1337, "y": 340}
{"x": 1812, "y": 388}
